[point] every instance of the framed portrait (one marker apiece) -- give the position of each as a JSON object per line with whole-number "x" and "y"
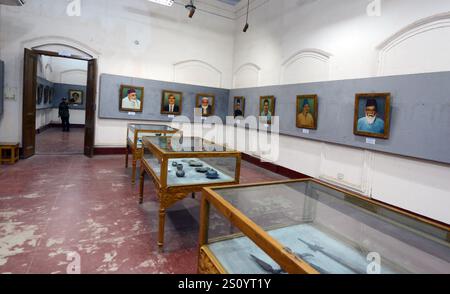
{"x": 171, "y": 102}
{"x": 307, "y": 112}
{"x": 267, "y": 108}
{"x": 372, "y": 115}
{"x": 75, "y": 97}
{"x": 239, "y": 107}
{"x": 131, "y": 98}
{"x": 51, "y": 95}
{"x": 40, "y": 94}
{"x": 46, "y": 94}
{"x": 205, "y": 104}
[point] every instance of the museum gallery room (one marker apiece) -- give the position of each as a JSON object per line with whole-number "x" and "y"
{"x": 224, "y": 137}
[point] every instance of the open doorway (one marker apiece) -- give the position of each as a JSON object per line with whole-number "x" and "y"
{"x": 48, "y": 78}
{"x": 60, "y": 105}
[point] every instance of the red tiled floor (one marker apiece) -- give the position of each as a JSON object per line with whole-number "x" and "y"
{"x": 55, "y": 141}
{"x": 52, "y": 205}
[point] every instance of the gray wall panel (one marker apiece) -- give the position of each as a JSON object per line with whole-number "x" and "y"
{"x": 44, "y": 82}
{"x": 62, "y": 91}
{"x": 2, "y": 85}
{"x": 420, "y": 118}
{"x": 109, "y": 98}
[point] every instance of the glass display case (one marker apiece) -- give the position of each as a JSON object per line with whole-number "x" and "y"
{"x": 306, "y": 226}
{"x": 135, "y": 133}
{"x": 182, "y": 165}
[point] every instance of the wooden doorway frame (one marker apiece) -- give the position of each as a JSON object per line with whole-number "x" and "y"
{"x": 29, "y": 101}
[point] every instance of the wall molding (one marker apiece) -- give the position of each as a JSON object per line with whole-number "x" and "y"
{"x": 71, "y": 44}
{"x": 434, "y": 22}
{"x": 251, "y": 66}
{"x": 69, "y": 71}
{"x": 314, "y": 53}
{"x": 195, "y": 63}
{"x": 365, "y": 183}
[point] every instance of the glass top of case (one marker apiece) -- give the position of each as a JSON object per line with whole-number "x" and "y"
{"x": 332, "y": 231}
{"x": 185, "y": 144}
{"x": 140, "y": 127}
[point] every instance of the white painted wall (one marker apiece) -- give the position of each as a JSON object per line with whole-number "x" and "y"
{"x": 44, "y": 117}
{"x": 301, "y": 41}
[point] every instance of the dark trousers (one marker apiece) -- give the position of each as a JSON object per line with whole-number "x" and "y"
{"x": 65, "y": 124}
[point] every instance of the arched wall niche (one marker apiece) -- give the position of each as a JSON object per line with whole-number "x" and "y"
{"x": 420, "y": 47}
{"x": 197, "y": 72}
{"x": 307, "y": 65}
{"x": 246, "y": 76}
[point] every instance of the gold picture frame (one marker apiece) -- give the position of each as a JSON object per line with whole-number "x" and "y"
{"x": 211, "y": 104}
{"x": 267, "y": 116}
{"x": 130, "y": 105}
{"x": 372, "y": 115}
{"x": 165, "y": 104}
{"x": 307, "y": 112}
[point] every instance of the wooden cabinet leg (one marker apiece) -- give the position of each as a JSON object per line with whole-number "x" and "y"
{"x": 127, "y": 150}
{"x": 141, "y": 186}
{"x": 133, "y": 174}
{"x": 162, "y": 219}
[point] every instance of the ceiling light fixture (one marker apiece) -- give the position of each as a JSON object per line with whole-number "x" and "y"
{"x": 163, "y": 2}
{"x": 246, "y": 21}
{"x": 191, "y": 7}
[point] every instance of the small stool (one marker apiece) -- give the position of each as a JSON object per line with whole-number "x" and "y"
{"x": 9, "y": 153}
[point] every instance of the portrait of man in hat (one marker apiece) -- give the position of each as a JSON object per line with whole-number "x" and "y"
{"x": 372, "y": 115}
{"x": 131, "y": 98}
{"x": 205, "y": 103}
{"x": 239, "y": 107}
{"x": 307, "y": 111}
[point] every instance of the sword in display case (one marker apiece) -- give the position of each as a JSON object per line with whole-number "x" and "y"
{"x": 317, "y": 248}
{"x": 267, "y": 267}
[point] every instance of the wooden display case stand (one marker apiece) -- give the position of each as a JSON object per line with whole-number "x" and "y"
{"x": 9, "y": 153}
{"x": 135, "y": 159}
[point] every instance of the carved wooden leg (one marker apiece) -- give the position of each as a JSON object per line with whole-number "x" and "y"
{"x": 13, "y": 155}
{"x": 141, "y": 186}
{"x": 162, "y": 219}
{"x": 133, "y": 174}
{"x": 127, "y": 150}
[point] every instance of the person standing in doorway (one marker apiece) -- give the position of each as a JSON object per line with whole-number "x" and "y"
{"x": 64, "y": 114}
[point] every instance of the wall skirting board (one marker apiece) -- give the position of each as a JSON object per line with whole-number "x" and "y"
{"x": 110, "y": 151}
{"x": 419, "y": 120}
{"x": 57, "y": 125}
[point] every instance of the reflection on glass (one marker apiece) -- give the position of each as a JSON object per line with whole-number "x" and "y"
{"x": 186, "y": 144}
{"x": 147, "y": 130}
{"x": 332, "y": 231}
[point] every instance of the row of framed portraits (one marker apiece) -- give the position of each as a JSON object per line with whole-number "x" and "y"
{"x": 131, "y": 99}
{"x": 371, "y": 118}
{"x": 45, "y": 95}
{"x": 371, "y": 113}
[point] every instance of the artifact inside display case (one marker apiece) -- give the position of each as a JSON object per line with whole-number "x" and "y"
{"x": 306, "y": 226}
{"x": 135, "y": 133}
{"x": 182, "y": 165}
